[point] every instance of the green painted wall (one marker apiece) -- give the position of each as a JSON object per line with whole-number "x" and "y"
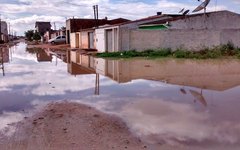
{"x": 154, "y": 27}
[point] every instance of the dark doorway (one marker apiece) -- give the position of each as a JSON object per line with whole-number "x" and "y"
{"x": 109, "y": 41}
{"x": 91, "y": 40}
{"x": 68, "y": 37}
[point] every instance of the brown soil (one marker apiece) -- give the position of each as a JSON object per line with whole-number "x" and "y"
{"x": 51, "y": 46}
{"x": 70, "y": 126}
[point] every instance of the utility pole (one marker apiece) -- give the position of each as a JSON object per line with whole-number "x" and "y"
{"x": 97, "y": 14}
{"x": 55, "y": 26}
{"x": 95, "y": 9}
{"x": 9, "y": 32}
{"x": 0, "y": 27}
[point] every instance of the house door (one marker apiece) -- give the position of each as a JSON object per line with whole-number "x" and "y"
{"x": 77, "y": 41}
{"x": 68, "y": 37}
{"x": 91, "y": 40}
{"x": 109, "y": 42}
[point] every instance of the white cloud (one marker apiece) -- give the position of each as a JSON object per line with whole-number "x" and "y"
{"x": 23, "y": 15}
{"x": 54, "y": 75}
{"x": 171, "y": 122}
{"x": 8, "y": 118}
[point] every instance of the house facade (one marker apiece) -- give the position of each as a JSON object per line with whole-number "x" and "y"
{"x": 86, "y": 38}
{"x": 76, "y": 25}
{"x": 4, "y": 31}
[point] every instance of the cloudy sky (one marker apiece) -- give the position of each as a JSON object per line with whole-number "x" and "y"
{"x": 22, "y": 14}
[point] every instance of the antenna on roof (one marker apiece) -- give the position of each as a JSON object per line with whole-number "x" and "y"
{"x": 186, "y": 12}
{"x": 216, "y": 3}
{"x": 202, "y": 6}
{"x": 181, "y": 11}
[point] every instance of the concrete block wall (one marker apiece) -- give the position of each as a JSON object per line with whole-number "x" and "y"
{"x": 124, "y": 40}
{"x": 189, "y": 39}
{"x": 215, "y": 21}
{"x": 232, "y": 36}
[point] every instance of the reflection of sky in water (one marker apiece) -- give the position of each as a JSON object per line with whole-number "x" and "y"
{"x": 152, "y": 109}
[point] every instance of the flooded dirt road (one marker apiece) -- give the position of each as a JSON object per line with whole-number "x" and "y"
{"x": 168, "y": 104}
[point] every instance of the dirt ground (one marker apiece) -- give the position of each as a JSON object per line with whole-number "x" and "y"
{"x": 70, "y": 126}
{"x": 48, "y": 45}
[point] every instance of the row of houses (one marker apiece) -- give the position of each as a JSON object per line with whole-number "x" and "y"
{"x": 46, "y": 32}
{"x": 162, "y": 31}
{"x": 193, "y": 31}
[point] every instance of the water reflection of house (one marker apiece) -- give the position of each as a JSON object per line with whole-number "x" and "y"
{"x": 61, "y": 54}
{"x": 201, "y": 74}
{"x": 79, "y": 63}
{"x": 4, "y": 31}
{"x": 82, "y": 64}
{"x": 42, "y": 56}
{"x": 4, "y": 58}
{"x": 4, "y": 55}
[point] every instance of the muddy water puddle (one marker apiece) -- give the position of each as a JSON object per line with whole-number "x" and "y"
{"x": 188, "y": 104}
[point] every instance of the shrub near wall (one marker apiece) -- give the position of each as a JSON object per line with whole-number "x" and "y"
{"x": 228, "y": 50}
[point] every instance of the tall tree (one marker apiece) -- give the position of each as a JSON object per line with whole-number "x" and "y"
{"x": 29, "y": 35}
{"x": 36, "y": 36}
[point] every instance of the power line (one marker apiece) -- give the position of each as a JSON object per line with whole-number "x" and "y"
{"x": 216, "y": 4}
{"x": 0, "y": 27}
{"x": 95, "y": 9}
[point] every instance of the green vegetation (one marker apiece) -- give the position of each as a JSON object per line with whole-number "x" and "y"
{"x": 34, "y": 50}
{"x": 36, "y": 36}
{"x": 222, "y": 51}
{"x": 133, "y": 53}
{"x": 31, "y": 35}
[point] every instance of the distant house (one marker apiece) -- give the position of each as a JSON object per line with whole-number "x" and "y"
{"x": 54, "y": 33}
{"x": 4, "y": 31}
{"x": 42, "y": 56}
{"x": 79, "y": 64}
{"x": 42, "y": 27}
{"x": 192, "y": 32}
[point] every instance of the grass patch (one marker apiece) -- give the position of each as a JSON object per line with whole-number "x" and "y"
{"x": 227, "y": 50}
